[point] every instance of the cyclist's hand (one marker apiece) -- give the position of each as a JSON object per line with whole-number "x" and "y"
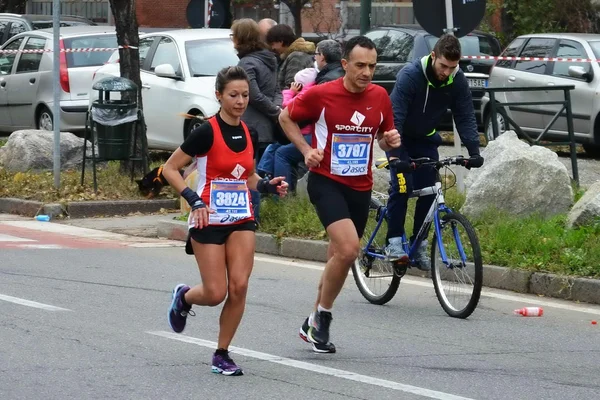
{"x": 313, "y": 158}
{"x": 475, "y": 161}
{"x": 392, "y": 138}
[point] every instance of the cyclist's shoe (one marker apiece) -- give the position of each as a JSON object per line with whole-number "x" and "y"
{"x": 395, "y": 252}
{"x": 317, "y": 347}
{"x": 223, "y": 364}
{"x": 318, "y": 331}
{"x": 422, "y": 260}
{"x": 179, "y": 311}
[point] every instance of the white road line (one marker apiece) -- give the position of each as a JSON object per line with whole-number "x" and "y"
{"x": 529, "y": 299}
{"x": 338, "y": 373}
{"x": 9, "y": 238}
{"x": 43, "y": 246}
{"x": 30, "y": 303}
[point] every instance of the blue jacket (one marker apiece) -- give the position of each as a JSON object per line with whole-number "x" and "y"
{"x": 419, "y": 106}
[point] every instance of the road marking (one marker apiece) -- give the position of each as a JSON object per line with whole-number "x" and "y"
{"x": 338, "y": 373}
{"x": 423, "y": 282}
{"x": 30, "y": 303}
{"x": 9, "y": 238}
{"x": 43, "y": 246}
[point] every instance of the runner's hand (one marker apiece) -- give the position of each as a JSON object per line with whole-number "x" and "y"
{"x": 200, "y": 217}
{"x": 392, "y": 138}
{"x": 313, "y": 158}
{"x": 282, "y": 185}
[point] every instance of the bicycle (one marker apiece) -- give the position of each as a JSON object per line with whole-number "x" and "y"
{"x": 451, "y": 261}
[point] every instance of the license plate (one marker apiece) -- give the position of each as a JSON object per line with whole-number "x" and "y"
{"x": 478, "y": 83}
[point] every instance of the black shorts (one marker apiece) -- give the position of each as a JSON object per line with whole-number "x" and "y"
{"x": 215, "y": 234}
{"x": 335, "y": 201}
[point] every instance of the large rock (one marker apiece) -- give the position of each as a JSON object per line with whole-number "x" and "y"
{"x": 518, "y": 179}
{"x": 33, "y": 150}
{"x": 587, "y": 209}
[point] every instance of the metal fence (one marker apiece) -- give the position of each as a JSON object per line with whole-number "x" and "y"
{"x": 94, "y": 10}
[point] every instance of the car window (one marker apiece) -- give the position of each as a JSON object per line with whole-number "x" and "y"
{"x": 536, "y": 47}
{"x": 511, "y": 51}
{"x": 30, "y": 62}
{"x": 16, "y": 27}
{"x": 166, "y": 53}
{"x": 381, "y": 39}
{"x": 3, "y": 24}
{"x": 208, "y": 57}
{"x": 595, "y": 45}
{"x": 471, "y": 45}
{"x": 8, "y": 59}
{"x": 144, "y": 46}
{"x": 398, "y": 47}
{"x": 89, "y": 58}
{"x": 569, "y": 49}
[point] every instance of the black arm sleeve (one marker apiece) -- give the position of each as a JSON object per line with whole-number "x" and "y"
{"x": 199, "y": 141}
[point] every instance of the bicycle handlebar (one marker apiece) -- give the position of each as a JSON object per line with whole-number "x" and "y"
{"x": 414, "y": 163}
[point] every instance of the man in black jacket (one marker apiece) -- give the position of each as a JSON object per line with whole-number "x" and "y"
{"x": 423, "y": 92}
{"x": 328, "y": 60}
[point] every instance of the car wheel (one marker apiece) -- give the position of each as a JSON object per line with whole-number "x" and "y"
{"x": 592, "y": 150}
{"x": 500, "y": 121}
{"x": 45, "y": 120}
{"x": 192, "y": 124}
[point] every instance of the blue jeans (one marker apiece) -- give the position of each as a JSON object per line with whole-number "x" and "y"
{"x": 287, "y": 158}
{"x": 267, "y": 161}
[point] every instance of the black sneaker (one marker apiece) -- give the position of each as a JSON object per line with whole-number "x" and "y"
{"x": 317, "y": 348}
{"x": 318, "y": 332}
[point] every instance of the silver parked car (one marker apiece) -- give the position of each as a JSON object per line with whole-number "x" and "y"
{"x": 26, "y": 87}
{"x": 585, "y": 76}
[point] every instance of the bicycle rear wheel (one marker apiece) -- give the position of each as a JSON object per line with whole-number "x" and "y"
{"x": 458, "y": 283}
{"x": 375, "y": 277}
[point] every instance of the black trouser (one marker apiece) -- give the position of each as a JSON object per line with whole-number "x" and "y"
{"x": 402, "y": 184}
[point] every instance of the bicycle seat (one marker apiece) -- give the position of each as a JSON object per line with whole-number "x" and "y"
{"x": 381, "y": 163}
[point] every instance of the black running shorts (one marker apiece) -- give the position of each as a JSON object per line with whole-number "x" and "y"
{"x": 216, "y": 234}
{"x": 335, "y": 201}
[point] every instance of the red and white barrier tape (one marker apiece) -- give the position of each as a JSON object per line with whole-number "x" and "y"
{"x": 75, "y": 50}
{"x": 555, "y": 59}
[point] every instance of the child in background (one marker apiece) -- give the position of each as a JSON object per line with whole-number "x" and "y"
{"x": 288, "y": 157}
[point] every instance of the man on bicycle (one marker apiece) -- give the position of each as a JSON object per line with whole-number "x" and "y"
{"x": 350, "y": 114}
{"x": 423, "y": 92}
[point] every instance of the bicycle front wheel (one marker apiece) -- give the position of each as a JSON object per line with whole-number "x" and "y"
{"x": 457, "y": 281}
{"x": 375, "y": 277}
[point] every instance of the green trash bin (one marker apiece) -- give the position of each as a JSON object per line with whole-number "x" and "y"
{"x": 114, "y": 120}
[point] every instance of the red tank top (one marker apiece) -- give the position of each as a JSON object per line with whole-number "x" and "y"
{"x": 222, "y": 179}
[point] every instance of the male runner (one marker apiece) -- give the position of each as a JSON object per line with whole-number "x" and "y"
{"x": 349, "y": 113}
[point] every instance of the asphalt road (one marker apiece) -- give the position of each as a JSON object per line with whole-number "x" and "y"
{"x": 98, "y": 330}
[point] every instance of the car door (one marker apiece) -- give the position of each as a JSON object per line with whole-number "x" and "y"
{"x": 582, "y": 97}
{"x": 530, "y": 74}
{"x": 161, "y": 95}
{"x": 23, "y": 89}
{"x": 7, "y": 66}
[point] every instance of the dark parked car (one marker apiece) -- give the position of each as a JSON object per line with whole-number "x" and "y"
{"x": 399, "y": 45}
{"x": 12, "y": 24}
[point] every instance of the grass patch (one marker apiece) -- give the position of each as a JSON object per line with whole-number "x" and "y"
{"x": 3, "y": 142}
{"x": 112, "y": 185}
{"x": 530, "y": 243}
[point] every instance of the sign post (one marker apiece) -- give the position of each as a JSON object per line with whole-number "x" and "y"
{"x": 56, "y": 91}
{"x": 461, "y": 17}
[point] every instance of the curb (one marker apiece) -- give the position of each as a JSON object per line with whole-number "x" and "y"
{"x": 521, "y": 281}
{"x": 81, "y": 209}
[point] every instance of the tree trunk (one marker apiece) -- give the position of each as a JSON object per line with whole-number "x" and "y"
{"x": 129, "y": 64}
{"x": 295, "y": 7}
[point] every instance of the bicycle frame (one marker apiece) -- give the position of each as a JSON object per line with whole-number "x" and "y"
{"x": 433, "y": 215}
